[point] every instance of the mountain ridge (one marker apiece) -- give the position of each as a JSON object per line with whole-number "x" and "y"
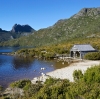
{"x": 85, "y": 24}
{"x": 88, "y": 12}
{"x": 22, "y": 28}
{"x": 16, "y": 32}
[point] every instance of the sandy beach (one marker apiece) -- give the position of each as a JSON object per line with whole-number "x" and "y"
{"x": 67, "y": 72}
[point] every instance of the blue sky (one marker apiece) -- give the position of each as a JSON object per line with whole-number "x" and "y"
{"x": 40, "y": 13}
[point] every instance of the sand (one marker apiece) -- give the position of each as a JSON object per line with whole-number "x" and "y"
{"x": 67, "y": 72}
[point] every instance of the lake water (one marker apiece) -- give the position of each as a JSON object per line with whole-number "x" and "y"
{"x": 13, "y": 68}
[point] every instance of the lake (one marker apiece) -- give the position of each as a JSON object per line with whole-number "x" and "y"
{"x": 14, "y": 68}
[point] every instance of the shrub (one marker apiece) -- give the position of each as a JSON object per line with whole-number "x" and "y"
{"x": 51, "y": 81}
{"x": 21, "y": 84}
{"x": 77, "y": 74}
{"x": 92, "y": 75}
{"x": 92, "y": 56}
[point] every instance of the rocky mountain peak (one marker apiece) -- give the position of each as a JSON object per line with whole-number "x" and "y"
{"x": 22, "y": 28}
{"x": 88, "y": 12}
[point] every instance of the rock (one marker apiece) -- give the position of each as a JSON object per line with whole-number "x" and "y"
{"x": 17, "y": 28}
{"x": 13, "y": 91}
{"x": 41, "y": 79}
{"x": 88, "y": 12}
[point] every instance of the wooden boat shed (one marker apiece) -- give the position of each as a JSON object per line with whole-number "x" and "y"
{"x": 79, "y": 50}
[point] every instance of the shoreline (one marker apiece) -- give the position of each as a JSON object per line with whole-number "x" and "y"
{"x": 67, "y": 72}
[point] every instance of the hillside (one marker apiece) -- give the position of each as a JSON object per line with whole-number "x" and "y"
{"x": 16, "y": 32}
{"x": 84, "y": 25}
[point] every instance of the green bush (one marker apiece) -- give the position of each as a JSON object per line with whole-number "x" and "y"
{"x": 92, "y": 75}
{"x": 21, "y": 84}
{"x": 87, "y": 86}
{"x": 77, "y": 74}
{"x": 51, "y": 81}
{"x": 92, "y": 56}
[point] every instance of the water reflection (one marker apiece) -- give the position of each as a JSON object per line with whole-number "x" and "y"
{"x": 19, "y": 63}
{"x": 14, "y": 68}
{"x": 60, "y": 64}
{"x": 4, "y": 59}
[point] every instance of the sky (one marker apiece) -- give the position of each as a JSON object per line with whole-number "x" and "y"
{"x": 40, "y": 13}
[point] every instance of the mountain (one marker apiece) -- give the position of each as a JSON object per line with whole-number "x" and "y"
{"x": 6, "y": 35}
{"x": 3, "y": 30}
{"x": 88, "y": 12}
{"x": 83, "y": 25}
{"x": 17, "y": 28}
{"x": 16, "y": 32}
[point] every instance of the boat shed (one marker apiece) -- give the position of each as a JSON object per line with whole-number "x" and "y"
{"x": 79, "y": 50}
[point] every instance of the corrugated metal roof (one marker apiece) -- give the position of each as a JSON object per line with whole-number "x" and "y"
{"x": 82, "y": 47}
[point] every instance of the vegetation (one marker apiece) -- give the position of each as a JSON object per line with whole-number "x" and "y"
{"x": 43, "y": 52}
{"x": 80, "y": 28}
{"x": 54, "y": 50}
{"x": 77, "y": 74}
{"x": 85, "y": 86}
{"x": 58, "y": 39}
{"x": 92, "y": 75}
{"x": 21, "y": 84}
{"x": 92, "y": 56}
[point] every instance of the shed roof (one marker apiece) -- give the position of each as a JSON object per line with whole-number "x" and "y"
{"x": 82, "y": 47}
